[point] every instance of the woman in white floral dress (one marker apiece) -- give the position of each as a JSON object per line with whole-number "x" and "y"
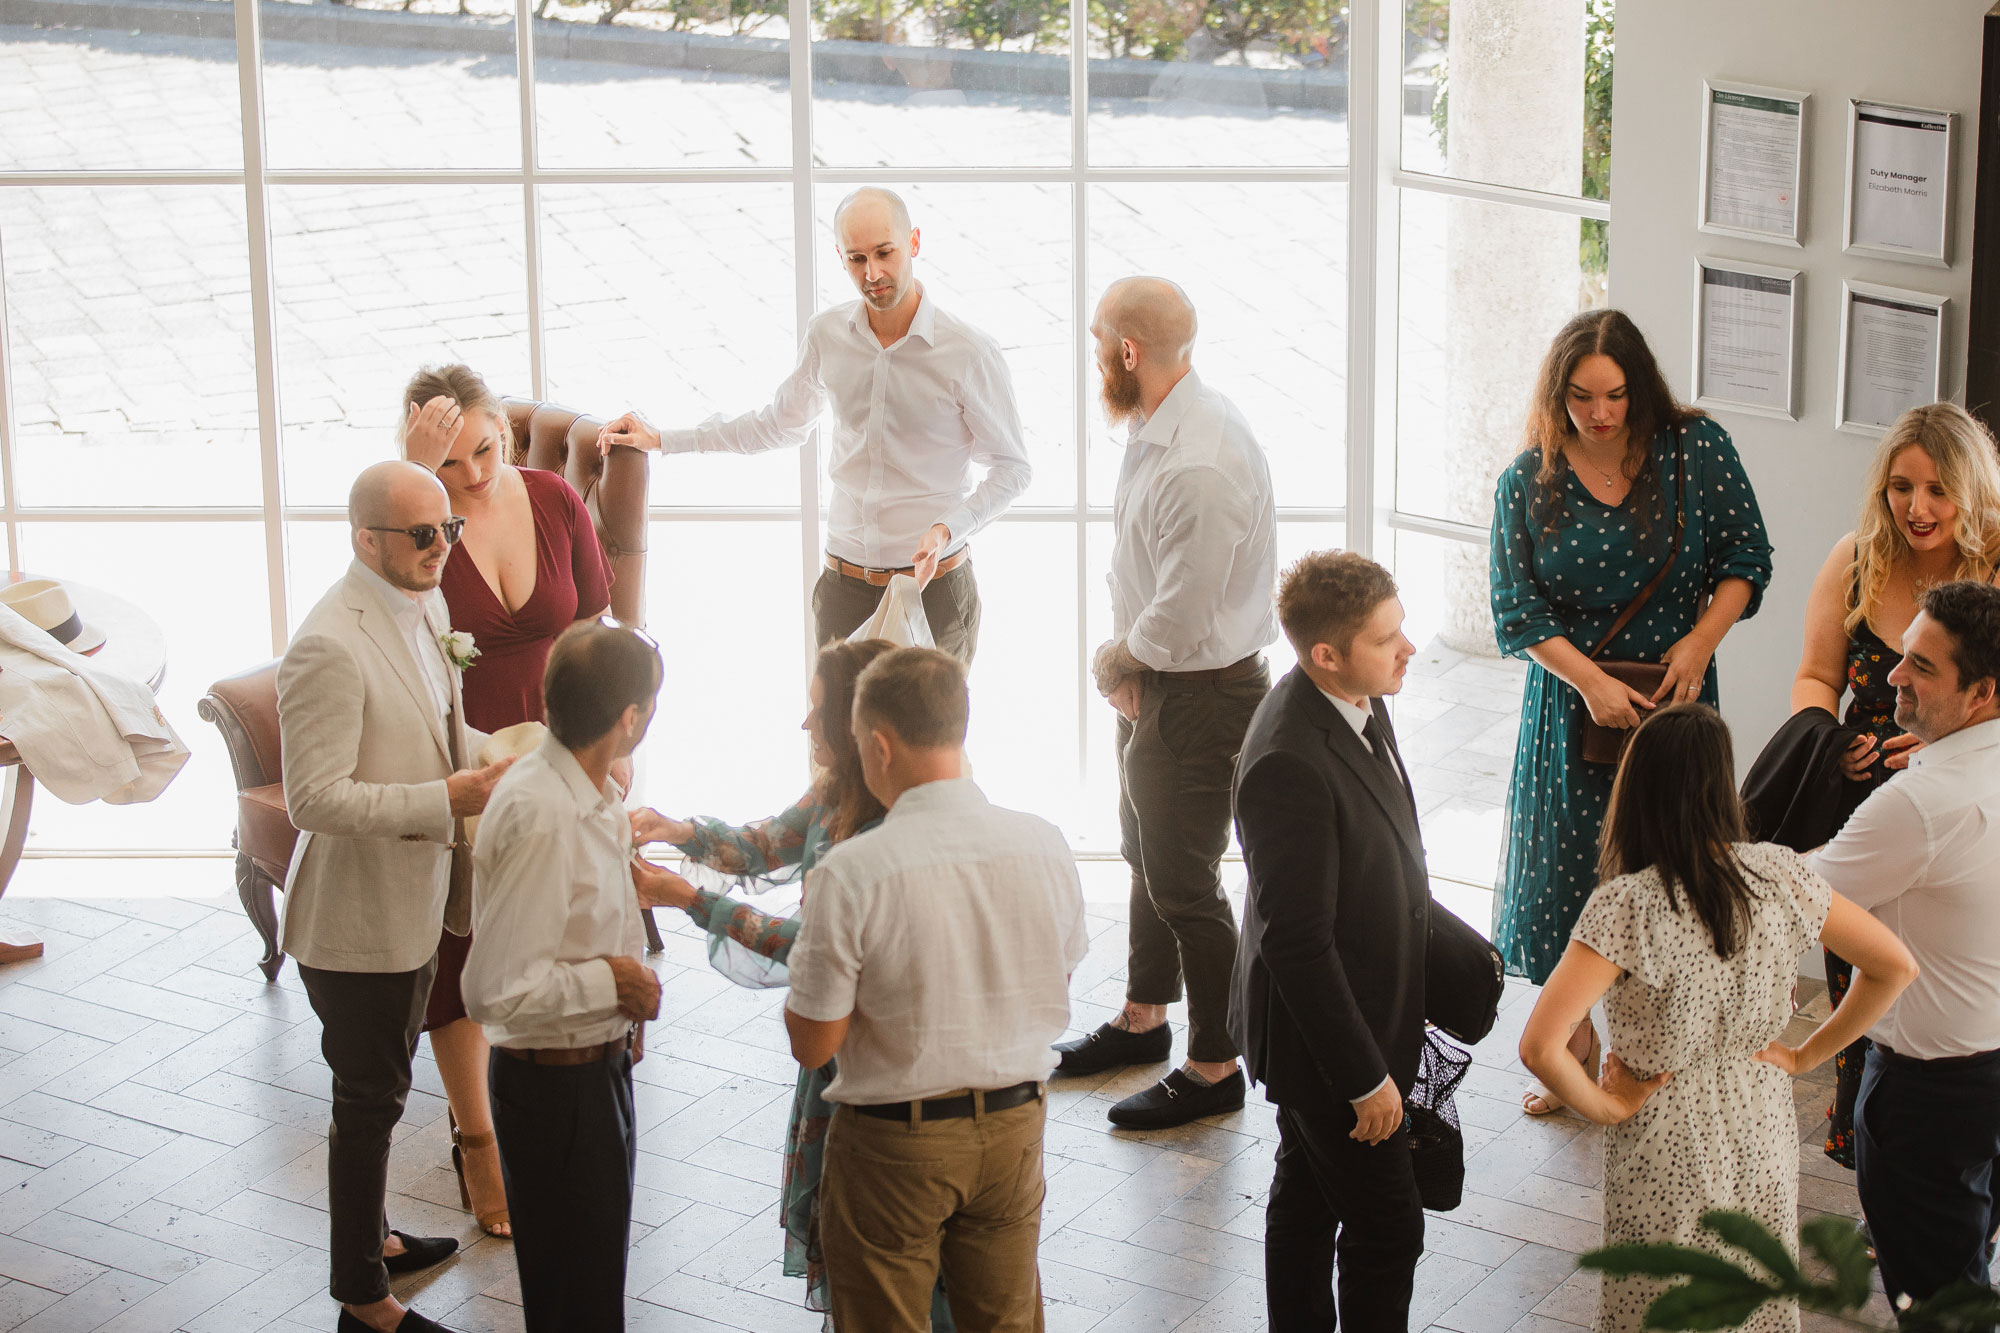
{"x": 1692, "y": 939}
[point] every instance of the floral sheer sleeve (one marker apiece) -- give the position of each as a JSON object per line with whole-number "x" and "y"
{"x": 762, "y": 848}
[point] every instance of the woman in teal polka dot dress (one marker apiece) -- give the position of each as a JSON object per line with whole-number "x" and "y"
{"x": 1582, "y": 521}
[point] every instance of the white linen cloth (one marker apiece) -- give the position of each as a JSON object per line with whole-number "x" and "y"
{"x": 1920, "y": 854}
{"x": 948, "y": 932}
{"x": 1194, "y": 557}
{"x": 86, "y": 734}
{"x": 909, "y": 420}
{"x": 552, "y": 898}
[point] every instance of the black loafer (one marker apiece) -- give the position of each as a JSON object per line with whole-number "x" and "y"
{"x": 420, "y": 1252}
{"x": 1176, "y": 1100}
{"x": 1110, "y": 1047}
{"x": 412, "y": 1323}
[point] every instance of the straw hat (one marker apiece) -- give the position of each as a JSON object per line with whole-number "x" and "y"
{"x": 507, "y": 743}
{"x": 45, "y": 604}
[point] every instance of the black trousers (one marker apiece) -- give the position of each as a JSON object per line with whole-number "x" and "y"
{"x": 1330, "y": 1195}
{"x": 569, "y": 1151}
{"x": 1176, "y": 764}
{"x": 1927, "y": 1134}
{"x": 369, "y": 1023}
{"x": 842, "y": 605}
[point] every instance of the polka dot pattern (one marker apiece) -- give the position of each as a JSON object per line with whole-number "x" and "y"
{"x": 1572, "y": 583}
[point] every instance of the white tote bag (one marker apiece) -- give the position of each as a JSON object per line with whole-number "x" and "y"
{"x": 899, "y": 617}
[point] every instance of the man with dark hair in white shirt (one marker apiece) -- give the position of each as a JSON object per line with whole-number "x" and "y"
{"x": 934, "y": 958}
{"x": 556, "y": 979}
{"x": 1920, "y": 854}
{"x": 1192, "y": 567}
{"x": 918, "y": 397}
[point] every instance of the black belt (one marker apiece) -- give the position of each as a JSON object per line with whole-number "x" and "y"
{"x": 954, "y": 1108}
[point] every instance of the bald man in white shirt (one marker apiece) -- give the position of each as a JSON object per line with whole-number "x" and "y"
{"x": 919, "y": 397}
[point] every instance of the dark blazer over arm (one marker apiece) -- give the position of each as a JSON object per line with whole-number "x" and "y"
{"x": 1327, "y": 996}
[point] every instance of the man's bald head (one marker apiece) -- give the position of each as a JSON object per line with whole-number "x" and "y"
{"x": 1154, "y": 314}
{"x": 394, "y": 494}
{"x": 870, "y": 209}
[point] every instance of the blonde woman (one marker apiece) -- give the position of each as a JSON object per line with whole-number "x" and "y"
{"x": 1930, "y": 513}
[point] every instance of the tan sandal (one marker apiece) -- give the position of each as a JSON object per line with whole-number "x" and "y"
{"x": 1550, "y": 1103}
{"x": 495, "y": 1221}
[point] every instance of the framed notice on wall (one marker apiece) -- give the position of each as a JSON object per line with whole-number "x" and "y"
{"x": 1752, "y": 161}
{"x": 1746, "y": 337}
{"x": 1891, "y": 355}
{"x": 1899, "y": 182}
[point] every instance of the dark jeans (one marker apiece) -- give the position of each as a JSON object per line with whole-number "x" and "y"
{"x": 1175, "y": 768}
{"x": 1927, "y": 1133}
{"x": 368, "y": 1031}
{"x": 1332, "y": 1193}
{"x": 569, "y": 1152}
{"x": 841, "y": 605}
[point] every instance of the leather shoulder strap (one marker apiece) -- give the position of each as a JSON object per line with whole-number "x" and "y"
{"x": 1638, "y": 603}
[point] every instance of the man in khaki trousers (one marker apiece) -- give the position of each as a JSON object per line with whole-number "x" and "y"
{"x": 934, "y": 957}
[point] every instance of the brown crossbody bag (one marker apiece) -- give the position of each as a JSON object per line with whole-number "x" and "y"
{"x": 1606, "y": 745}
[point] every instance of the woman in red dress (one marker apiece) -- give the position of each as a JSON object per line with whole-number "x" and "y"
{"x": 527, "y": 567}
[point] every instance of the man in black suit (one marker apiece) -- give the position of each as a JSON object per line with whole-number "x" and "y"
{"x": 1327, "y": 997}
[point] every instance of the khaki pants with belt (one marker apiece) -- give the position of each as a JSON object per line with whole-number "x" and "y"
{"x": 898, "y": 1200}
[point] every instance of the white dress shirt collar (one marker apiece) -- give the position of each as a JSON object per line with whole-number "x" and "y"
{"x": 944, "y": 794}
{"x": 1978, "y": 736}
{"x": 407, "y": 607}
{"x": 923, "y": 324}
{"x": 589, "y": 800}
{"x": 411, "y": 615}
{"x": 1159, "y": 428}
{"x": 1357, "y": 717}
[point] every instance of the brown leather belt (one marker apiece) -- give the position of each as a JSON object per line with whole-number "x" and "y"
{"x": 880, "y": 577}
{"x": 568, "y": 1055}
{"x": 1216, "y": 676}
{"x": 955, "y": 1108}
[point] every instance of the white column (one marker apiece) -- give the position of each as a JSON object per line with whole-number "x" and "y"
{"x": 1516, "y": 88}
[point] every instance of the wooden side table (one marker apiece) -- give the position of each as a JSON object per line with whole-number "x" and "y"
{"x": 134, "y": 646}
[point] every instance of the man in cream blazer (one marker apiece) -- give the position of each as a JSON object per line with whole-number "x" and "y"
{"x": 375, "y": 752}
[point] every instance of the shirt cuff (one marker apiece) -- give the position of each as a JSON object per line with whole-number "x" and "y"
{"x": 959, "y": 521}
{"x": 680, "y": 441}
{"x": 1150, "y": 654}
{"x": 1356, "y": 1101}
{"x": 600, "y": 987}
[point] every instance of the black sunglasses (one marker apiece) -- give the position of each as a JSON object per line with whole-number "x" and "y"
{"x": 424, "y": 534}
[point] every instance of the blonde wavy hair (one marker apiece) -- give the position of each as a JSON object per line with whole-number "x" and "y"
{"x": 1968, "y": 467}
{"x": 464, "y": 386}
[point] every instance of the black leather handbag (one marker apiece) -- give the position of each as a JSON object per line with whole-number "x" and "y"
{"x": 1463, "y": 978}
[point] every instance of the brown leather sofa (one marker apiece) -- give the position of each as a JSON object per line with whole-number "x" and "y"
{"x": 244, "y": 707}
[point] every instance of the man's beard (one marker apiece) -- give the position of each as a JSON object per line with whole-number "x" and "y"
{"x": 1120, "y": 392}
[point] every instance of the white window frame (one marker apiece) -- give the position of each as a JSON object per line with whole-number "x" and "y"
{"x": 1374, "y": 178}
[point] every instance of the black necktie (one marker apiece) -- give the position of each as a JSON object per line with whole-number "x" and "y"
{"x": 1377, "y": 737}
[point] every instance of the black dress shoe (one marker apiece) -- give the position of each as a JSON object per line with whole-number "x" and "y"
{"x": 420, "y": 1252}
{"x": 1110, "y": 1047}
{"x": 1176, "y": 1100}
{"x": 412, "y": 1323}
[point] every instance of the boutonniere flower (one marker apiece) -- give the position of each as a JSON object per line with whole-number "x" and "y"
{"x": 458, "y": 648}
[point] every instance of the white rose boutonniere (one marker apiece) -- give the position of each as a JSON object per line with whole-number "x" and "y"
{"x": 458, "y": 648}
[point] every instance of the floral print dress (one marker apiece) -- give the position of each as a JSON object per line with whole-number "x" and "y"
{"x": 1572, "y": 583}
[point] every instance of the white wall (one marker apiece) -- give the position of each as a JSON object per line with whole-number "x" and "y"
{"x": 1921, "y": 53}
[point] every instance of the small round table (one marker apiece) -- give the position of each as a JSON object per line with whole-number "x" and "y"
{"x": 133, "y": 647}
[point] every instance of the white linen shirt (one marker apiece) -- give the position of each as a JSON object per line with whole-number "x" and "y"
{"x": 412, "y": 618}
{"x": 1194, "y": 557}
{"x": 948, "y": 932}
{"x": 909, "y": 420}
{"x": 1923, "y": 854}
{"x": 552, "y": 898}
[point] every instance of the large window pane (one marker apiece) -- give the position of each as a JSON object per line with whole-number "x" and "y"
{"x": 677, "y": 300}
{"x": 210, "y": 600}
{"x": 156, "y": 91}
{"x": 999, "y": 257}
{"x": 941, "y": 83}
{"x": 361, "y": 86}
{"x": 373, "y": 282}
{"x": 1484, "y": 289}
{"x": 726, "y": 739}
{"x": 128, "y": 313}
{"x": 1514, "y": 92}
{"x": 1460, "y": 707}
{"x": 317, "y": 553}
{"x": 700, "y": 85}
{"x": 1273, "y": 334}
{"x": 1180, "y": 83}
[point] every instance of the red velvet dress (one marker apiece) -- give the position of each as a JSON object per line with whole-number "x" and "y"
{"x": 504, "y": 683}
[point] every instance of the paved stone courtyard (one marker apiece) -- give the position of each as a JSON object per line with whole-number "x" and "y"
{"x": 162, "y": 1160}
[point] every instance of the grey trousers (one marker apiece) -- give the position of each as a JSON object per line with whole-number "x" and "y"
{"x": 1176, "y": 765}
{"x": 842, "y": 605}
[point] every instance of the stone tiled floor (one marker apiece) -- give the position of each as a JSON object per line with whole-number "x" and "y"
{"x": 162, "y": 1160}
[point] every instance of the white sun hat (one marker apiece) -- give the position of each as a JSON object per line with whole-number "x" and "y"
{"x": 45, "y": 604}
